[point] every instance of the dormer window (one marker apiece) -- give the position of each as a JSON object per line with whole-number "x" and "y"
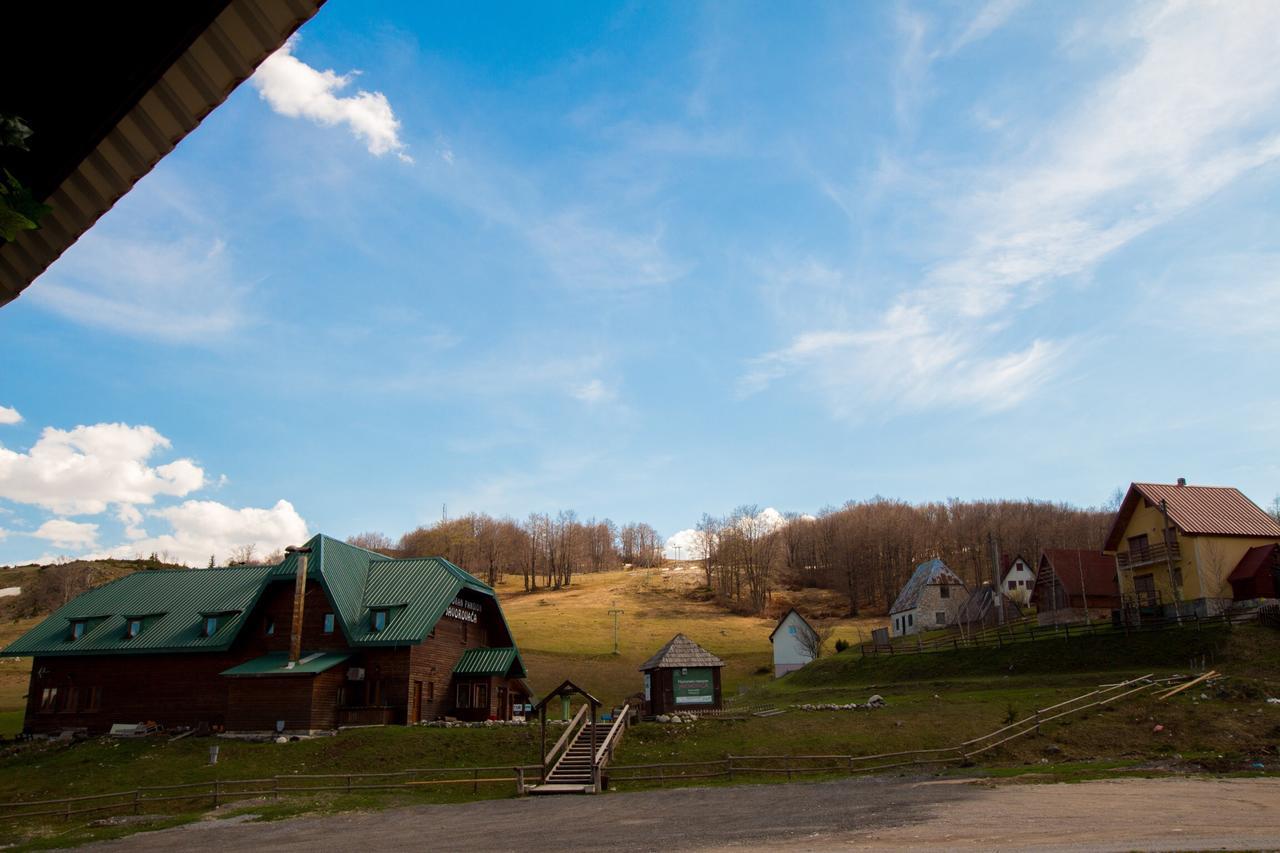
{"x": 132, "y": 628}
{"x": 328, "y": 623}
{"x": 378, "y": 620}
{"x": 210, "y": 625}
{"x": 77, "y": 629}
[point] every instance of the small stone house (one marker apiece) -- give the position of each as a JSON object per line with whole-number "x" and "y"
{"x": 931, "y": 599}
{"x": 791, "y": 648}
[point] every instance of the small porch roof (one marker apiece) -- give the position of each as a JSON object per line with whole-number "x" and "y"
{"x": 490, "y": 662}
{"x": 276, "y": 663}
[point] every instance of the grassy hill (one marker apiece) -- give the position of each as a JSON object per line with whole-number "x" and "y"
{"x": 568, "y": 633}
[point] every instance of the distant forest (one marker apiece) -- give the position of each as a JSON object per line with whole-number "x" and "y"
{"x": 864, "y": 549}
{"x": 544, "y": 550}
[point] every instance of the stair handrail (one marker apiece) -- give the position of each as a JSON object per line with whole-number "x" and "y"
{"x": 605, "y": 752}
{"x": 564, "y": 737}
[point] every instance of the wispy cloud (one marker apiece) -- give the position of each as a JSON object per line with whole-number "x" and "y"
{"x": 9, "y": 415}
{"x": 295, "y": 89}
{"x": 180, "y": 290}
{"x": 1192, "y": 111}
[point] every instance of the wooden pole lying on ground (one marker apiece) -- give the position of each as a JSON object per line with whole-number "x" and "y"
{"x": 1210, "y": 674}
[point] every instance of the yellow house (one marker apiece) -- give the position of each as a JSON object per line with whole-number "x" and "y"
{"x": 1179, "y": 544}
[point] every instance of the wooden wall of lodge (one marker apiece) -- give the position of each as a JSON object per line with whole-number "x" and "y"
{"x": 176, "y": 689}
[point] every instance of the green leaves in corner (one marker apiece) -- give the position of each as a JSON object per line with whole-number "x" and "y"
{"x": 19, "y": 210}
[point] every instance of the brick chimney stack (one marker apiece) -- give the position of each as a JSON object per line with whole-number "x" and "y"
{"x": 1182, "y": 481}
{"x": 299, "y": 599}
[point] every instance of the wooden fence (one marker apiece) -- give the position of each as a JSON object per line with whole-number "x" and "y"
{"x": 733, "y": 767}
{"x": 1026, "y": 631}
{"x": 219, "y": 791}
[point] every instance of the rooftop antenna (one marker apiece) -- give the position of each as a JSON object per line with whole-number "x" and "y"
{"x": 444, "y": 512}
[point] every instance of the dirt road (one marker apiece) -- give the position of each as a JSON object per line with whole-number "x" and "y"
{"x": 861, "y": 814}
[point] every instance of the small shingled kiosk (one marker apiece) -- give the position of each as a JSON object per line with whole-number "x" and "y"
{"x": 682, "y": 676}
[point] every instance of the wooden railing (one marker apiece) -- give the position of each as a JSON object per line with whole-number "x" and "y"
{"x": 219, "y": 791}
{"x": 557, "y": 752}
{"x": 604, "y": 754}
{"x": 366, "y": 715}
{"x": 733, "y": 767}
{"x": 1148, "y": 556}
{"x": 1027, "y": 631}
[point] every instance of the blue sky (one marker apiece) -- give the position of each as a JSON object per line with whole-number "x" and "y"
{"x": 647, "y": 261}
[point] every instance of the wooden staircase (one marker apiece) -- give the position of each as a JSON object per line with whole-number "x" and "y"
{"x": 574, "y": 772}
{"x": 580, "y": 767}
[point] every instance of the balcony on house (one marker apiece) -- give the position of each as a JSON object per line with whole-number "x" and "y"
{"x": 1148, "y": 555}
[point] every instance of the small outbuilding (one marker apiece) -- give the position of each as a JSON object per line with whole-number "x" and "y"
{"x": 793, "y": 641}
{"x": 1075, "y": 585}
{"x": 1257, "y": 575}
{"x": 987, "y": 608}
{"x": 682, "y": 676}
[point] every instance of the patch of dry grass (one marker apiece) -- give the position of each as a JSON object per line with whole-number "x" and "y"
{"x": 568, "y": 633}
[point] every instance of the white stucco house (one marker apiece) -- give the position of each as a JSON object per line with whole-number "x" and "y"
{"x": 931, "y": 599}
{"x": 1019, "y": 580}
{"x": 790, "y": 651}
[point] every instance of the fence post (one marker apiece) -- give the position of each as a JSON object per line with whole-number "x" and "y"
{"x": 1068, "y": 630}
{"x": 275, "y": 788}
{"x": 217, "y": 789}
{"x": 475, "y": 781}
{"x": 850, "y": 757}
{"x": 348, "y": 783}
{"x": 137, "y": 803}
{"x": 519, "y": 781}
{"x": 729, "y": 760}
{"x": 787, "y": 764}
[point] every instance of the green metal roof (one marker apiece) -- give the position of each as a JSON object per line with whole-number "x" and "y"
{"x": 357, "y": 581}
{"x": 172, "y": 604}
{"x": 490, "y": 662}
{"x": 275, "y": 664}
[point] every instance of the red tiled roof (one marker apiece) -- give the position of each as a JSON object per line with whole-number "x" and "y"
{"x": 1220, "y": 510}
{"x": 1071, "y": 565}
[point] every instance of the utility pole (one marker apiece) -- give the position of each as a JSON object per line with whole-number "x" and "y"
{"x": 1168, "y": 560}
{"x": 615, "y": 613}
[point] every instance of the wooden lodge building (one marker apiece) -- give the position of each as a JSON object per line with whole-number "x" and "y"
{"x": 378, "y": 641}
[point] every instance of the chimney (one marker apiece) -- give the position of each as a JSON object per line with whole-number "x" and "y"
{"x": 299, "y": 599}
{"x": 1182, "y": 481}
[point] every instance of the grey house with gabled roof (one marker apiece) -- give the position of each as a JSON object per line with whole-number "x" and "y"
{"x": 931, "y": 598}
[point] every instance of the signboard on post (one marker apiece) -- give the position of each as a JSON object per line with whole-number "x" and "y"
{"x": 693, "y": 686}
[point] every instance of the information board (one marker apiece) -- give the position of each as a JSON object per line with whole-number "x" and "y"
{"x": 693, "y": 686}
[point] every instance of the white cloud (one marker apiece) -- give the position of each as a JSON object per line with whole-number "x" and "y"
{"x": 179, "y": 290}
{"x": 1193, "y": 110}
{"x": 83, "y": 470}
{"x": 684, "y": 545}
{"x": 594, "y": 391}
{"x": 691, "y": 544}
{"x": 297, "y": 90}
{"x": 204, "y": 529}
{"x": 68, "y": 535}
{"x": 9, "y": 416}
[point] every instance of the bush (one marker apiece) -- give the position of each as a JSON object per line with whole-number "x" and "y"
{"x": 841, "y": 645}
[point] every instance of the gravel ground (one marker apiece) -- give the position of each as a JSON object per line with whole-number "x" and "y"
{"x": 856, "y": 814}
